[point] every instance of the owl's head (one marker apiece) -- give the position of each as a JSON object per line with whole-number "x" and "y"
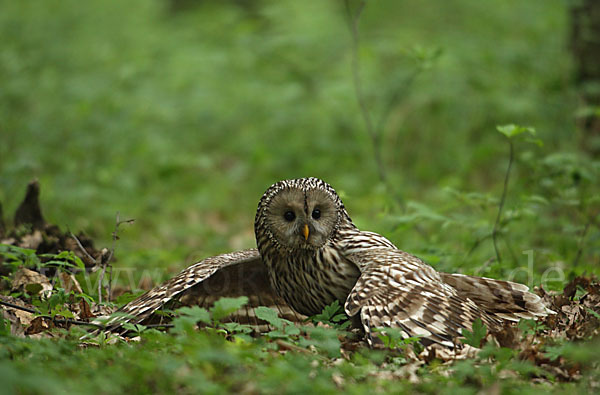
{"x": 299, "y": 214}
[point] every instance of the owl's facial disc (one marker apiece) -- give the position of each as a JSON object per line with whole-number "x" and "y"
{"x": 302, "y": 219}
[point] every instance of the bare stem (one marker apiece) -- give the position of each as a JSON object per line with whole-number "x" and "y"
{"x": 502, "y": 200}
{"x": 582, "y": 239}
{"x": 82, "y": 248}
{"x": 374, "y": 135}
{"x": 107, "y": 257}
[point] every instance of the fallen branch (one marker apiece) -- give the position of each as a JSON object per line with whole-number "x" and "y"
{"x": 54, "y": 319}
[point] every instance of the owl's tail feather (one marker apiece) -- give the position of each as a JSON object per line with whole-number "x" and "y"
{"x": 503, "y": 299}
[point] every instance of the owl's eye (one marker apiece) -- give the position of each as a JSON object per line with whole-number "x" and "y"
{"x": 316, "y": 214}
{"x": 289, "y": 216}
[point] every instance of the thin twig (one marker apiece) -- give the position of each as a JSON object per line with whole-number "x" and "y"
{"x": 100, "y": 282}
{"x": 476, "y": 244}
{"x": 82, "y": 248}
{"x": 109, "y": 285}
{"x": 502, "y": 199}
{"x": 394, "y": 99}
{"x": 374, "y": 131}
{"x": 16, "y": 306}
{"x": 106, "y": 259}
{"x": 510, "y": 249}
{"x": 374, "y": 134}
{"x": 581, "y": 240}
{"x": 291, "y": 347}
{"x": 54, "y": 319}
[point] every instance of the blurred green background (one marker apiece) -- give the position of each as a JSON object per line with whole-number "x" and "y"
{"x": 180, "y": 114}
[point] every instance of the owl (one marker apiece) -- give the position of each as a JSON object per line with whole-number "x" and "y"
{"x": 309, "y": 254}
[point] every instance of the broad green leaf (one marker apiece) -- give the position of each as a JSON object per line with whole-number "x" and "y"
{"x": 323, "y": 338}
{"x": 33, "y": 288}
{"x": 4, "y": 326}
{"x": 226, "y": 306}
{"x": 234, "y": 327}
{"x": 474, "y": 338}
{"x": 137, "y": 328}
{"x": 512, "y": 130}
{"x": 554, "y": 352}
{"x": 269, "y": 315}
{"x": 291, "y": 329}
{"x": 199, "y": 314}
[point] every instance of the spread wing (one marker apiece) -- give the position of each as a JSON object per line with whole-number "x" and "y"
{"x": 398, "y": 290}
{"x": 227, "y": 275}
{"x": 503, "y": 299}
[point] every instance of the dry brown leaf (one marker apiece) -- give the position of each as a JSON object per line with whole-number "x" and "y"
{"x": 84, "y": 310}
{"x": 30, "y": 281}
{"x": 39, "y": 324}
{"x": 69, "y": 282}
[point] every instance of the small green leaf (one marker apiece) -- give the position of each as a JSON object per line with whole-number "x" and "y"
{"x": 475, "y": 337}
{"x": 33, "y": 288}
{"x": 4, "y": 326}
{"x": 394, "y": 338}
{"x": 137, "y": 328}
{"x": 339, "y": 317}
{"x": 269, "y": 315}
{"x": 226, "y": 306}
{"x": 512, "y": 130}
{"x": 331, "y": 314}
{"x": 197, "y": 313}
{"x": 554, "y": 352}
{"x": 325, "y": 339}
{"x": 291, "y": 329}
{"x": 234, "y": 327}
{"x": 61, "y": 311}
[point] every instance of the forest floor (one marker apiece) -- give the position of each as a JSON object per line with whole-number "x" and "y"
{"x": 455, "y": 129}
{"x": 46, "y": 313}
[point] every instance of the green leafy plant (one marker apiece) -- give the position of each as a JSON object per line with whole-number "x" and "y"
{"x": 226, "y": 306}
{"x": 283, "y": 328}
{"x": 188, "y": 317}
{"x": 137, "y": 329}
{"x": 325, "y": 339}
{"x": 56, "y": 303}
{"x": 16, "y": 257}
{"x": 332, "y": 315}
{"x": 511, "y": 132}
{"x": 554, "y": 352}
{"x": 475, "y": 336}
{"x": 64, "y": 259}
{"x": 422, "y": 174}
{"x": 394, "y": 338}
{"x": 4, "y": 326}
{"x": 530, "y": 327}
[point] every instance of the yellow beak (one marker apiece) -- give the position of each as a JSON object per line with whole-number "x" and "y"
{"x": 305, "y": 232}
